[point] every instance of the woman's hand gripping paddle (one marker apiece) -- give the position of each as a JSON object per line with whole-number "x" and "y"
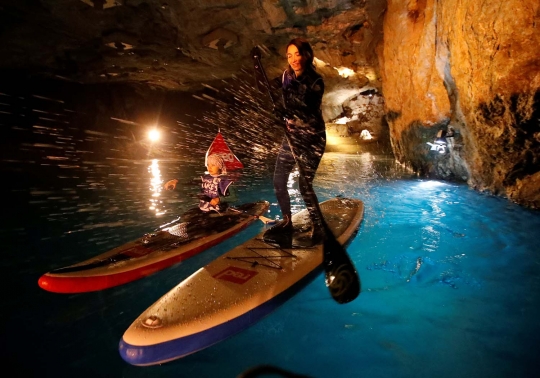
{"x": 341, "y": 277}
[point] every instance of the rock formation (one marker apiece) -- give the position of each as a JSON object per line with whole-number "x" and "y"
{"x": 474, "y": 67}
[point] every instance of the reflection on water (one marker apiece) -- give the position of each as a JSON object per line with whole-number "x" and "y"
{"x": 364, "y": 167}
{"x": 156, "y": 187}
{"x": 348, "y": 175}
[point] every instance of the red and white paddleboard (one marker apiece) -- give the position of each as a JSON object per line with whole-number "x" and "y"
{"x": 145, "y": 256}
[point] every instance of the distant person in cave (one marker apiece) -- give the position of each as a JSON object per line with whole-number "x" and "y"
{"x": 302, "y": 89}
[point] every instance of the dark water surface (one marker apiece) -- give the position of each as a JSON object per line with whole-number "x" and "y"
{"x": 451, "y": 283}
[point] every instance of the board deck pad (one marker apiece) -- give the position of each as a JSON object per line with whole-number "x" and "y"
{"x": 233, "y": 291}
{"x": 150, "y": 253}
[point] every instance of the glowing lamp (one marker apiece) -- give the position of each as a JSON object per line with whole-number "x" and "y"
{"x": 439, "y": 144}
{"x": 153, "y": 135}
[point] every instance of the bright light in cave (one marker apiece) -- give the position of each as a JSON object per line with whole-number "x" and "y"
{"x": 154, "y": 135}
{"x": 342, "y": 121}
{"x": 344, "y": 71}
{"x": 319, "y": 63}
{"x": 365, "y": 135}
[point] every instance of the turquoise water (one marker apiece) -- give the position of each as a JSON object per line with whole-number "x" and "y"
{"x": 450, "y": 277}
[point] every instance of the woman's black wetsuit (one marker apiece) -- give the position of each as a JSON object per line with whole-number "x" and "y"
{"x": 306, "y": 132}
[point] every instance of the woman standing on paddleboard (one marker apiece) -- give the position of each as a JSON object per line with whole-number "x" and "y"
{"x": 302, "y": 90}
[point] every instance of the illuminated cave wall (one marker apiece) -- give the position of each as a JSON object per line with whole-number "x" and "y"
{"x": 473, "y": 66}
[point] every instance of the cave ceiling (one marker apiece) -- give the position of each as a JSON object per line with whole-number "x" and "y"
{"x": 178, "y": 45}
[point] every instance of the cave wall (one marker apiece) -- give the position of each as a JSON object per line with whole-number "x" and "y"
{"x": 474, "y": 67}
{"x": 462, "y": 64}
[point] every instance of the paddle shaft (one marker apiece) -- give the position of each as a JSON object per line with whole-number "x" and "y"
{"x": 265, "y": 220}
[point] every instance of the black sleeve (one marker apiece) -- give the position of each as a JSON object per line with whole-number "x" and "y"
{"x": 308, "y": 108}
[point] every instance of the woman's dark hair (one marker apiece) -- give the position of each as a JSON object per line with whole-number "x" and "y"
{"x": 305, "y": 50}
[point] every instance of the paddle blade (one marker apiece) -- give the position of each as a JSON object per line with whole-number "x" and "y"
{"x": 341, "y": 277}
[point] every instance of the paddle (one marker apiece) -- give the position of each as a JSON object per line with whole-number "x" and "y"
{"x": 265, "y": 220}
{"x": 341, "y": 277}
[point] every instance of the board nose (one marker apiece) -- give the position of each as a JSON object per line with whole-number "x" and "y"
{"x": 44, "y": 283}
